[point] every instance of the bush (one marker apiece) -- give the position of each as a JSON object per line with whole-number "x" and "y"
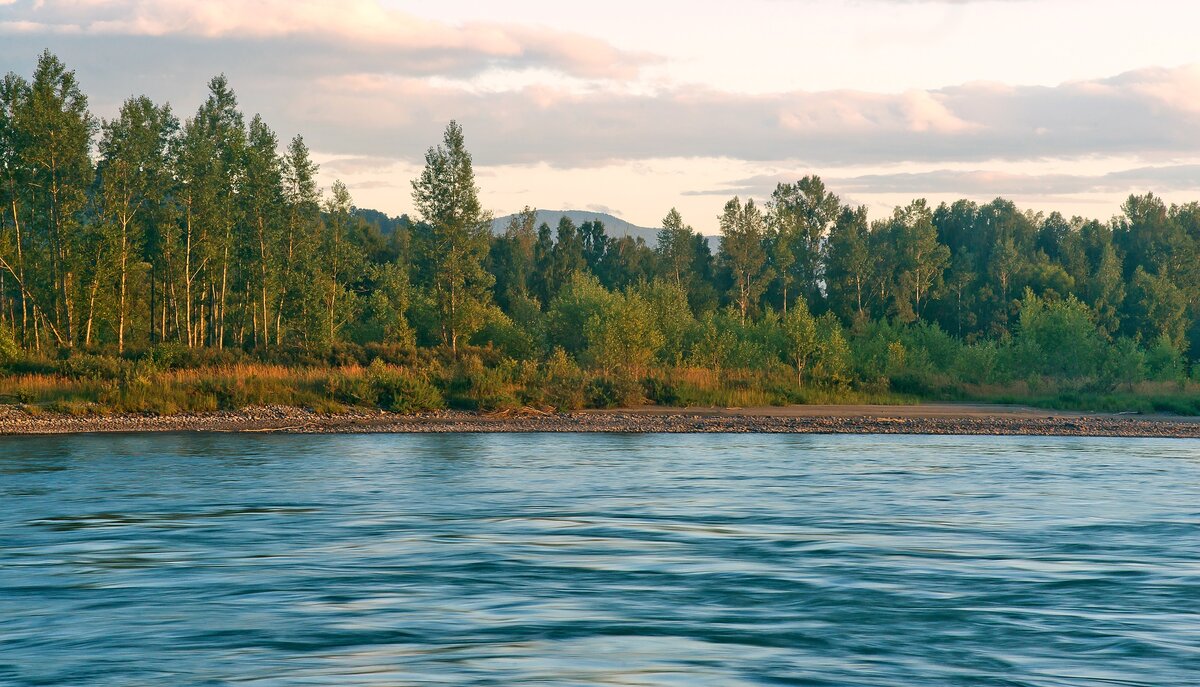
{"x": 87, "y": 366}
{"x": 166, "y": 355}
{"x": 563, "y": 382}
{"x": 9, "y": 350}
{"x": 613, "y": 391}
{"x": 355, "y": 390}
{"x": 1165, "y": 362}
{"x": 400, "y": 391}
{"x": 476, "y": 387}
{"x": 660, "y": 391}
{"x": 225, "y": 394}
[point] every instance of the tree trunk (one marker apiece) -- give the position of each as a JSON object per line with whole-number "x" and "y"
{"x": 121, "y": 298}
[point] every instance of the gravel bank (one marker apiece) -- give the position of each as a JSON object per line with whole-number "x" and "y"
{"x": 933, "y": 419}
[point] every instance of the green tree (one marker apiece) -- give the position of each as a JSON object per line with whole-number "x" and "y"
{"x": 1058, "y": 338}
{"x": 448, "y": 199}
{"x": 55, "y": 130}
{"x": 801, "y": 331}
{"x": 920, "y": 257}
{"x": 342, "y": 262}
{"x": 668, "y": 302}
{"x": 623, "y": 334}
{"x": 850, "y": 263}
{"x": 801, "y": 216}
{"x": 743, "y": 254}
{"x": 385, "y": 318}
{"x": 566, "y": 258}
{"x": 302, "y": 219}
{"x": 675, "y": 247}
{"x": 582, "y": 298}
{"x": 512, "y": 257}
{"x": 262, "y": 195}
{"x": 15, "y": 207}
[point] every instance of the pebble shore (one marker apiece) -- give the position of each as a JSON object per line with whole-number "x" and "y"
{"x": 903, "y": 420}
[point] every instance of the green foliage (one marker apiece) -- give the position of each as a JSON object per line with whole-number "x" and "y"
{"x": 576, "y": 304}
{"x": 9, "y": 350}
{"x": 623, "y": 334}
{"x": 561, "y": 382}
{"x": 831, "y": 359}
{"x": 1057, "y": 338}
{"x": 1165, "y": 362}
{"x": 612, "y": 391}
{"x": 401, "y": 391}
{"x": 196, "y": 266}
{"x": 92, "y": 367}
{"x": 801, "y": 331}
{"x": 456, "y": 240}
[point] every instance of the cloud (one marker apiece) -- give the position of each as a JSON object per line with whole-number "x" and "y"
{"x": 361, "y": 30}
{"x": 600, "y": 207}
{"x": 1140, "y": 113}
{"x": 363, "y": 82}
{"x": 980, "y": 183}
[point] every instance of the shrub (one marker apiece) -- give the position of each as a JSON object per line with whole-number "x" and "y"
{"x": 400, "y": 391}
{"x": 355, "y": 390}
{"x": 224, "y": 393}
{"x": 660, "y": 391}
{"x": 476, "y": 387}
{"x": 87, "y": 366}
{"x": 9, "y": 350}
{"x": 563, "y": 382}
{"x": 613, "y": 391}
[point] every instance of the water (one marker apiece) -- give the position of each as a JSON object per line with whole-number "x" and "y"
{"x": 588, "y": 559}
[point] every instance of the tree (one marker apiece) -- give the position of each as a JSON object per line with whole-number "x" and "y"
{"x": 448, "y": 199}
{"x": 55, "y": 130}
{"x": 512, "y": 257}
{"x": 623, "y": 334}
{"x": 263, "y": 210}
{"x": 920, "y": 257}
{"x": 388, "y": 301}
{"x": 675, "y": 247}
{"x": 582, "y": 298}
{"x": 668, "y": 302}
{"x": 209, "y": 166}
{"x": 1058, "y": 338}
{"x": 831, "y": 357}
{"x": 801, "y": 216}
{"x": 341, "y": 261}
{"x": 566, "y": 258}
{"x": 850, "y": 263}
{"x": 14, "y": 208}
{"x": 743, "y": 254}
{"x": 801, "y": 331}
{"x": 302, "y": 218}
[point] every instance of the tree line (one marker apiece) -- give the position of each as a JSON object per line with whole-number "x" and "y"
{"x": 207, "y": 232}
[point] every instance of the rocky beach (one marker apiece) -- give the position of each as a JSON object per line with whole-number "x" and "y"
{"x": 918, "y": 419}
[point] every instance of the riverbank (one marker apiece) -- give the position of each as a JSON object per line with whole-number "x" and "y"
{"x": 972, "y": 419}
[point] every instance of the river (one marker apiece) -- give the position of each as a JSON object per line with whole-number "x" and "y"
{"x": 193, "y": 559}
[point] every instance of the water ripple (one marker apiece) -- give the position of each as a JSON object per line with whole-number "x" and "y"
{"x": 599, "y": 560}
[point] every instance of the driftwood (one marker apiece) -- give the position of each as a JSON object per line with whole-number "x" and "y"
{"x": 523, "y": 411}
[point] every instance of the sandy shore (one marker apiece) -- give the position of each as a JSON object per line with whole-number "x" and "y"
{"x": 919, "y": 419}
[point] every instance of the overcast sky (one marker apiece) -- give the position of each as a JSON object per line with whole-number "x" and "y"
{"x": 633, "y": 107}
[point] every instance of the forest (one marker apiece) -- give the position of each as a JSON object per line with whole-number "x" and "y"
{"x": 159, "y": 263}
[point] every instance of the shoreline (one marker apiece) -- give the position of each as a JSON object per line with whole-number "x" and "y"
{"x": 930, "y": 419}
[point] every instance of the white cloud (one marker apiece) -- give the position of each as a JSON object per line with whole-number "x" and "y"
{"x": 361, "y": 27}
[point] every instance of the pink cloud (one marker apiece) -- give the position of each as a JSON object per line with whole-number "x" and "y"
{"x": 354, "y": 25}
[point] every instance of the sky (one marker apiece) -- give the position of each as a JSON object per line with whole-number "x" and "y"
{"x": 634, "y": 107}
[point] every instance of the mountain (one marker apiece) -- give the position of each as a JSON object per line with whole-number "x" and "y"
{"x": 613, "y": 226}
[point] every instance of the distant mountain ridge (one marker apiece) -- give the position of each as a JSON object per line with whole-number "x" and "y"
{"x": 613, "y": 226}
